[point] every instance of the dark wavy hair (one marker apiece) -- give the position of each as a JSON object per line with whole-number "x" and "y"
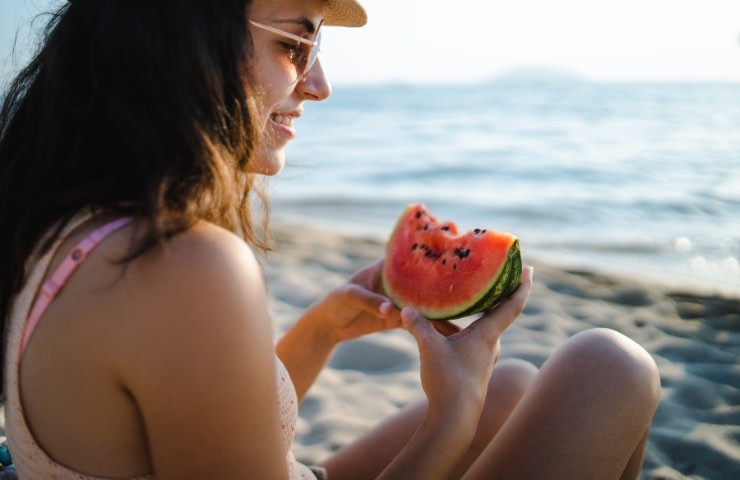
{"x": 131, "y": 107}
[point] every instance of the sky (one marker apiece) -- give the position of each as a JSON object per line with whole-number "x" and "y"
{"x": 431, "y": 41}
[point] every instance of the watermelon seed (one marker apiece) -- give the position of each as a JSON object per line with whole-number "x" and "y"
{"x": 432, "y": 255}
{"x": 462, "y": 253}
{"x": 445, "y": 228}
{"x": 444, "y": 261}
{"x": 477, "y": 230}
{"x": 483, "y": 231}
{"x": 454, "y": 266}
{"x": 418, "y": 214}
{"x": 414, "y": 246}
{"x": 426, "y": 227}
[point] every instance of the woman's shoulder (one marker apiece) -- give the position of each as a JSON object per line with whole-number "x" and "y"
{"x": 202, "y": 291}
{"x": 203, "y": 257}
{"x": 204, "y": 264}
{"x": 205, "y": 277}
{"x": 192, "y": 337}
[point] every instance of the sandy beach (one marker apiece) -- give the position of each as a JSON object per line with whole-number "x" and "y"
{"x": 694, "y": 338}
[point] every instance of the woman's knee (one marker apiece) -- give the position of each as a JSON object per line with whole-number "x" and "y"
{"x": 607, "y": 356}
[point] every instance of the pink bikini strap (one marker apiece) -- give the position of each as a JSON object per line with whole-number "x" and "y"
{"x": 55, "y": 283}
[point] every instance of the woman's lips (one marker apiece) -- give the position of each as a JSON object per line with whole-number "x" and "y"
{"x": 284, "y": 123}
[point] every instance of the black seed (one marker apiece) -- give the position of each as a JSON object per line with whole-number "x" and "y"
{"x": 426, "y": 227}
{"x": 454, "y": 265}
{"x": 414, "y": 246}
{"x": 445, "y": 228}
{"x": 483, "y": 231}
{"x": 444, "y": 261}
{"x": 418, "y": 214}
{"x": 477, "y": 230}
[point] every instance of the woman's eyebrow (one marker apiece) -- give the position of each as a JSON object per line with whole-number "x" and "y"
{"x": 308, "y": 24}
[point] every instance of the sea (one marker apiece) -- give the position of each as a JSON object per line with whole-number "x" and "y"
{"x": 639, "y": 179}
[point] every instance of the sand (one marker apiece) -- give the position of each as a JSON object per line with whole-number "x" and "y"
{"x": 694, "y": 338}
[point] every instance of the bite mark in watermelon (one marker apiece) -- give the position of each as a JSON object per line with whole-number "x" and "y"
{"x": 443, "y": 274}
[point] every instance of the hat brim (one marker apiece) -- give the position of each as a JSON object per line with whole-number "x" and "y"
{"x": 344, "y": 13}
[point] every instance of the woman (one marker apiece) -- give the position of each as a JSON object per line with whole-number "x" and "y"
{"x": 138, "y": 342}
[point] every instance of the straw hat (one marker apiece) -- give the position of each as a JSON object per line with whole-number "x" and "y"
{"x": 344, "y": 13}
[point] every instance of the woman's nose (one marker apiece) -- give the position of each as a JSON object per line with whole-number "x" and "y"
{"x": 315, "y": 86}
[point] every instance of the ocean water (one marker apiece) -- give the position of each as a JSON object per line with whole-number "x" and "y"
{"x": 624, "y": 177}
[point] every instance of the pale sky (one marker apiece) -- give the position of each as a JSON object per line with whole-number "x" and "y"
{"x": 413, "y": 41}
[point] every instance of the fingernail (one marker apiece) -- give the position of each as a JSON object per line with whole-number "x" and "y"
{"x": 385, "y": 308}
{"x": 407, "y": 313}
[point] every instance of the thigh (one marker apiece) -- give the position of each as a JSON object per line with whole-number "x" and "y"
{"x": 583, "y": 417}
{"x": 370, "y": 454}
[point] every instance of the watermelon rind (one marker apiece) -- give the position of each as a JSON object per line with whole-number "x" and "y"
{"x": 507, "y": 281}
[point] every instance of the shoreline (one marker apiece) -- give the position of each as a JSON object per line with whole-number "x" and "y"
{"x": 694, "y": 338}
{"x": 649, "y": 278}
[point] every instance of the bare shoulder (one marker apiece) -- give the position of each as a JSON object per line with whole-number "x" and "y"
{"x": 205, "y": 264}
{"x": 206, "y": 272}
{"x": 206, "y": 251}
{"x": 177, "y": 344}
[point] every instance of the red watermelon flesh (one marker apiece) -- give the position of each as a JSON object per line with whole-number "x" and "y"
{"x": 444, "y": 274}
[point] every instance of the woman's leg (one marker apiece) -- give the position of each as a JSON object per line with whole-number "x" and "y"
{"x": 586, "y": 416}
{"x": 368, "y": 456}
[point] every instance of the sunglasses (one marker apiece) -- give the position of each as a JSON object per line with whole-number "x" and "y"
{"x": 304, "y": 54}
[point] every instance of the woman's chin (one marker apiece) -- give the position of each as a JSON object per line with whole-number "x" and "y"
{"x": 267, "y": 164}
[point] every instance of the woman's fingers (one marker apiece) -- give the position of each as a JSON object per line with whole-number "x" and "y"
{"x": 418, "y": 326}
{"x": 445, "y": 327}
{"x": 368, "y": 301}
{"x": 369, "y": 276}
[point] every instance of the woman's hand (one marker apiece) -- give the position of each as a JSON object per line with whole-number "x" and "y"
{"x": 355, "y": 308}
{"x": 351, "y": 310}
{"x": 455, "y": 369}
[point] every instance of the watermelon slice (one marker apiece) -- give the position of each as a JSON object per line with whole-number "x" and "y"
{"x": 442, "y": 274}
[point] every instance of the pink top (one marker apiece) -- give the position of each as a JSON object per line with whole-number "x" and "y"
{"x": 30, "y": 460}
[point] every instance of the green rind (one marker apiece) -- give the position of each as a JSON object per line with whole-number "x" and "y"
{"x": 508, "y": 281}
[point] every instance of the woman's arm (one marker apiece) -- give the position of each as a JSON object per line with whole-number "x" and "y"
{"x": 199, "y": 360}
{"x": 347, "y": 312}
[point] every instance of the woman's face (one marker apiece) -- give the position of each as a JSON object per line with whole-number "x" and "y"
{"x": 281, "y": 93}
